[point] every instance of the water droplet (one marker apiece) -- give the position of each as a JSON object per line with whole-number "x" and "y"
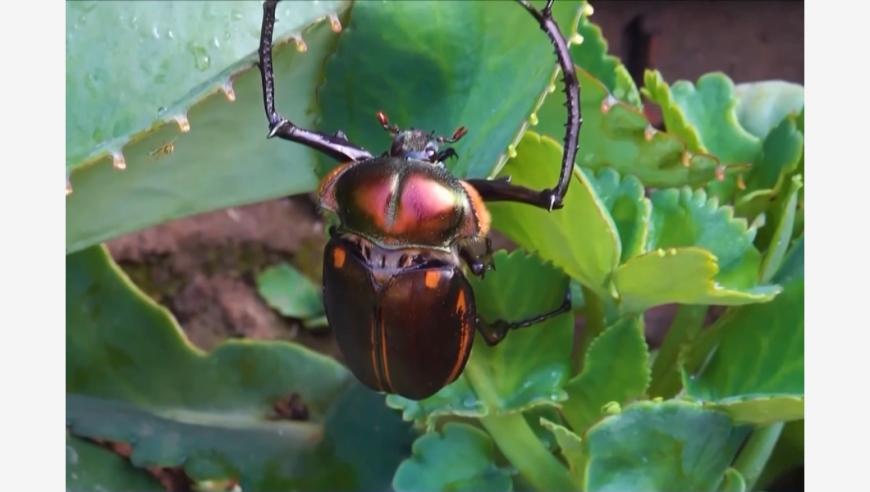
{"x": 576, "y": 38}
{"x": 512, "y": 151}
{"x": 161, "y": 110}
{"x": 228, "y": 90}
{"x": 533, "y": 119}
{"x": 183, "y": 123}
{"x": 72, "y": 456}
{"x": 300, "y": 44}
{"x": 155, "y": 31}
{"x": 237, "y": 15}
{"x": 216, "y": 42}
{"x": 334, "y": 23}
{"x": 170, "y": 34}
{"x": 201, "y": 60}
{"x": 118, "y": 161}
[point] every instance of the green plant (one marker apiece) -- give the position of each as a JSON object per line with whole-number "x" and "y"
{"x": 704, "y": 213}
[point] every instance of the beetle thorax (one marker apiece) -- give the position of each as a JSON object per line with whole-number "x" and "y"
{"x": 415, "y": 144}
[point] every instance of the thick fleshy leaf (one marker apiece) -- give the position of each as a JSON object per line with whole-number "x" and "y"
{"x": 762, "y": 105}
{"x": 672, "y": 446}
{"x": 90, "y": 467}
{"x": 618, "y": 135}
{"x": 454, "y": 399}
{"x": 459, "y": 457}
{"x": 580, "y": 238}
{"x": 258, "y": 412}
{"x": 592, "y": 55}
{"x": 781, "y": 152}
{"x": 530, "y": 366}
{"x": 756, "y": 373}
{"x": 482, "y": 65}
{"x": 683, "y": 217}
{"x": 630, "y": 210}
{"x": 224, "y": 160}
{"x": 679, "y": 275}
{"x": 182, "y": 52}
{"x": 710, "y": 106}
{"x": 602, "y": 380}
{"x": 571, "y": 447}
{"x": 657, "y": 90}
{"x": 290, "y": 292}
{"x": 782, "y": 233}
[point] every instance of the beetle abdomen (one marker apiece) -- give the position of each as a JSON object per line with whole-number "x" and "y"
{"x": 400, "y": 202}
{"x": 401, "y": 330}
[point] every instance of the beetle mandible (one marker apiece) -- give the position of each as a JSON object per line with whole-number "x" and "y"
{"x": 395, "y": 294}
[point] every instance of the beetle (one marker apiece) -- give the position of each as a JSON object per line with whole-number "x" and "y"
{"x": 394, "y": 289}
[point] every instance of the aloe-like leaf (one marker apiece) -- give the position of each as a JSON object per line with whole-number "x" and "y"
{"x": 756, "y": 373}
{"x": 571, "y": 447}
{"x": 762, "y": 105}
{"x": 683, "y": 217}
{"x": 602, "y": 381}
{"x": 171, "y": 56}
{"x": 258, "y": 412}
{"x": 593, "y": 56}
{"x": 459, "y": 67}
{"x": 782, "y": 234}
{"x": 290, "y": 292}
{"x": 679, "y": 275}
{"x": 618, "y": 135}
{"x": 527, "y": 368}
{"x": 459, "y": 457}
{"x": 580, "y": 238}
{"x": 630, "y": 210}
{"x": 224, "y": 160}
{"x": 782, "y": 150}
{"x": 671, "y": 446}
{"x": 657, "y": 90}
{"x": 91, "y": 467}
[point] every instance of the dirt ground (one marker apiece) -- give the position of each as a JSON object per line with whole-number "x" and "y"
{"x": 203, "y": 267}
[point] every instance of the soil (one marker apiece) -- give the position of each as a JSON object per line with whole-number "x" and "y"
{"x": 203, "y": 268}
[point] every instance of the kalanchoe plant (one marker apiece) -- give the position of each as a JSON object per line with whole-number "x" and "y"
{"x": 705, "y": 214}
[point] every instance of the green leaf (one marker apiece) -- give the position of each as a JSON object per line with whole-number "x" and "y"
{"x": 529, "y": 367}
{"x": 133, "y": 377}
{"x": 629, "y": 208}
{"x": 481, "y": 65}
{"x": 682, "y": 217}
{"x": 460, "y": 457}
{"x": 679, "y": 275}
{"x": 783, "y": 232}
{"x": 290, "y": 292}
{"x": 580, "y": 238}
{"x": 672, "y": 446}
{"x": 710, "y": 106}
{"x": 781, "y": 153}
{"x": 225, "y": 160}
{"x": 602, "y": 380}
{"x": 657, "y": 90}
{"x": 456, "y": 399}
{"x": 756, "y": 372}
{"x": 571, "y": 447}
{"x": 91, "y": 467}
{"x": 762, "y": 105}
{"x": 172, "y": 55}
{"x": 733, "y": 482}
{"x": 592, "y": 55}
{"x": 618, "y": 135}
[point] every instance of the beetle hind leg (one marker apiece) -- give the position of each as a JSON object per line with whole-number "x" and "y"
{"x": 495, "y": 331}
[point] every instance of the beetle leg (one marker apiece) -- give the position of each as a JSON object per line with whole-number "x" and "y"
{"x": 502, "y": 190}
{"x": 336, "y": 146}
{"x": 495, "y": 331}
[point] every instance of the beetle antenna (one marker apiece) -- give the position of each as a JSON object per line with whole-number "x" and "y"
{"x": 385, "y": 122}
{"x": 457, "y": 134}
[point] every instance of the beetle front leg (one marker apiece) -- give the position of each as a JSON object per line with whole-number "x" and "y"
{"x": 495, "y": 331}
{"x": 336, "y": 146}
{"x": 477, "y": 254}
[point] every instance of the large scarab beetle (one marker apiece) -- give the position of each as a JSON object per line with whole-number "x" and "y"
{"x": 394, "y": 286}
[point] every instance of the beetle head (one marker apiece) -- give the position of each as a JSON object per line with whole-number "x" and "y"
{"x": 418, "y": 144}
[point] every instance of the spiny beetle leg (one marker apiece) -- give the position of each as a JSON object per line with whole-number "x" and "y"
{"x": 494, "y": 332}
{"x": 550, "y": 199}
{"x": 337, "y": 146}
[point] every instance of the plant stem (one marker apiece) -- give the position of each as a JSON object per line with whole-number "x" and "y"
{"x": 665, "y": 373}
{"x": 752, "y": 459}
{"x": 517, "y": 441}
{"x": 594, "y": 311}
